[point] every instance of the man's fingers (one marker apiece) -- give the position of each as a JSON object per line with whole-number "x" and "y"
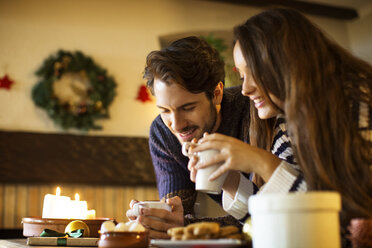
{"x": 130, "y": 214}
{"x": 155, "y": 212}
{"x": 153, "y": 224}
{"x": 158, "y": 235}
{"x": 132, "y": 202}
{"x": 193, "y": 175}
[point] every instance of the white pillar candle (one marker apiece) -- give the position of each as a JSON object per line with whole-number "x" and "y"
{"x": 55, "y": 205}
{"x": 91, "y": 214}
{"x": 78, "y": 209}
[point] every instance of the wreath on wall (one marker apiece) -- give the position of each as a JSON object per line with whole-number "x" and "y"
{"x": 73, "y": 90}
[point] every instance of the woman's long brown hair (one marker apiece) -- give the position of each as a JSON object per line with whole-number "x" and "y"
{"x": 318, "y": 81}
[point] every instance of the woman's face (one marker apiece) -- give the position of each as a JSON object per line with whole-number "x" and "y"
{"x": 250, "y": 88}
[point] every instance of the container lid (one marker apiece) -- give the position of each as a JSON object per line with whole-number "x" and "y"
{"x": 311, "y": 200}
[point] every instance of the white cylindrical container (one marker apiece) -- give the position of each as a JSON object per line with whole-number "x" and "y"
{"x": 303, "y": 220}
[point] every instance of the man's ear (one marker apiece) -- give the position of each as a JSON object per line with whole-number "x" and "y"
{"x": 217, "y": 94}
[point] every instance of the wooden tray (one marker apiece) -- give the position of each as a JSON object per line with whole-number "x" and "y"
{"x": 33, "y": 226}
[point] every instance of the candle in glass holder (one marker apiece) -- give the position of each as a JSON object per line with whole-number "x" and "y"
{"x": 55, "y": 206}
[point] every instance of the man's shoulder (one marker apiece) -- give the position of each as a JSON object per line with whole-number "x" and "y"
{"x": 234, "y": 94}
{"x": 233, "y": 90}
{"x": 160, "y": 133}
{"x": 158, "y": 128}
{"x": 157, "y": 123}
{"x": 234, "y": 100}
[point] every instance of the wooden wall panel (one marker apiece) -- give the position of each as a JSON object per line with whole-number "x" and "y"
{"x": 19, "y": 201}
{"x": 42, "y": 158}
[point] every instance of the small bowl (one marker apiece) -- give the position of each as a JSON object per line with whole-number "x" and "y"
{"x": 124, "y": 240}
{"x": 33, "y": 226}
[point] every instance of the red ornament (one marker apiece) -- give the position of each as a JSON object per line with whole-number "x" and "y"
{"x": 143, "y": 94}
{"x": 235, "y": 69}
{"x": 5, "y": 82}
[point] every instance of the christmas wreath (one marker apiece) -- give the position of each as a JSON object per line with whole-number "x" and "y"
{"x": 73, "y": 90}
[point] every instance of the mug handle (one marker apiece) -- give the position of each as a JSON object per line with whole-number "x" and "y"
{"x": 185, "y": 148}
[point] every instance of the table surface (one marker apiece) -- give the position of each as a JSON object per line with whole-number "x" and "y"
{"x": 22, "y": 243}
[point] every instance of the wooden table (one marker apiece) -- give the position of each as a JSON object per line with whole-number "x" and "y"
{"x": 22, "y": 243}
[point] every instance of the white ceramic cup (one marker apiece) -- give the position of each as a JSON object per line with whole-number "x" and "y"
{"x": 201, "y": 181}
{"x": 303, "y": 220}
{"x": 149, "y": 204}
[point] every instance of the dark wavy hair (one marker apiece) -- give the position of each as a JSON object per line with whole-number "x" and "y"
{"x": 318, "y": 81}
{"x": 190, "y": 62}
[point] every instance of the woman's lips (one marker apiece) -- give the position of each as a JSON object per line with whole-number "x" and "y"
{"x": 259, "y": 104}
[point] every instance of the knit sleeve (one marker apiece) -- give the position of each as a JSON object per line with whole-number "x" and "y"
{"x": 284, "y": 179}
{"x": 237, "y": 206}
{"x": 172, "y": 175}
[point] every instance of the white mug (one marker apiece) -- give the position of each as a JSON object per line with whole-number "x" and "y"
{"x": 150, "y": 204}
{"x": 201, "y": 181}
{"x": 291, "y": 220}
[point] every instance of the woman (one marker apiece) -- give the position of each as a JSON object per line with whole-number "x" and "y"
{"x": 311, "y": 114}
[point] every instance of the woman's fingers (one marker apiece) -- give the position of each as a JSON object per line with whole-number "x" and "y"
{"x": 218, "y": 158}
{"x": 217, "y": 173}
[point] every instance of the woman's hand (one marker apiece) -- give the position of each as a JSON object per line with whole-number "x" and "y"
{"x": 234, "y": 155}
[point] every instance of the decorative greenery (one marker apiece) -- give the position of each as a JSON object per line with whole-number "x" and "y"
{"x": 98, "y": 95}
{"x": 232, "y": 78}
{"x": 217, "y": 43}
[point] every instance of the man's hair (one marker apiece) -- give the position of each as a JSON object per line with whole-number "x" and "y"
{"x": 190, "y": 62}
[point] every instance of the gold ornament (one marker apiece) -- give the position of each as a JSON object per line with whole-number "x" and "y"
{"x": 75, "y": 225}
{"x": 98, "y": 105}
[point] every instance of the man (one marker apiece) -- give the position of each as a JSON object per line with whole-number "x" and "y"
{"x": 187, "y": 80}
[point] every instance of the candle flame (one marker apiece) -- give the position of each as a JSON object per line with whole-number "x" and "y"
{"x": 77, "y": 197}
{"x": 58, "y": 191}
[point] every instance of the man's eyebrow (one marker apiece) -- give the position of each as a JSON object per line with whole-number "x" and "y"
{"x": 182, "y": 106}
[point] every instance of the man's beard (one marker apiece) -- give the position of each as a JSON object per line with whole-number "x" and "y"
{"x": 208, "y": 127}
{"x": 213, "y": 119}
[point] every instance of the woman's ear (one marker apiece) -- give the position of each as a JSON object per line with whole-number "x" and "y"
{"x": 217, "y": 94}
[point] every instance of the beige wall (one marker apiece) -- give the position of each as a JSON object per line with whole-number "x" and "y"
{"x": 117, "y": 34}
{"x": 360, "y": 34}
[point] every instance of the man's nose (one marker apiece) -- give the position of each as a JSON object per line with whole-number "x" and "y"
{"x": 178, "y": 122}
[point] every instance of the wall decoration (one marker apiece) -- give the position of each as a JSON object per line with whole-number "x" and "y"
{"x": 221, "y": 40}
{"x": 6, "y": 82}
{"x": 143, "y": 94}
{"x": 73, "y": 90}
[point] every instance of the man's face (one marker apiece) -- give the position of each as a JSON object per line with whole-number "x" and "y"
{"x": 187, "y": 115}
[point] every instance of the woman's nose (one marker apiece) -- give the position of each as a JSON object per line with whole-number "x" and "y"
{"x": 248, "y": 88}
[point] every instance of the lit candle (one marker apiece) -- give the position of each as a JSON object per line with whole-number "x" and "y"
{"x": 78, "y": 209}
{"x": 91, "y": 214}
{"x": 55, "y": 206}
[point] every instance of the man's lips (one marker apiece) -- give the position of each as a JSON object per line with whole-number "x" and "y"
{"x": 186, "y": 136}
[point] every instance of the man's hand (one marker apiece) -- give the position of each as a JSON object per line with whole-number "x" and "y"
{"x": 158, "y": 227}
{"x": 130, "y": 214}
